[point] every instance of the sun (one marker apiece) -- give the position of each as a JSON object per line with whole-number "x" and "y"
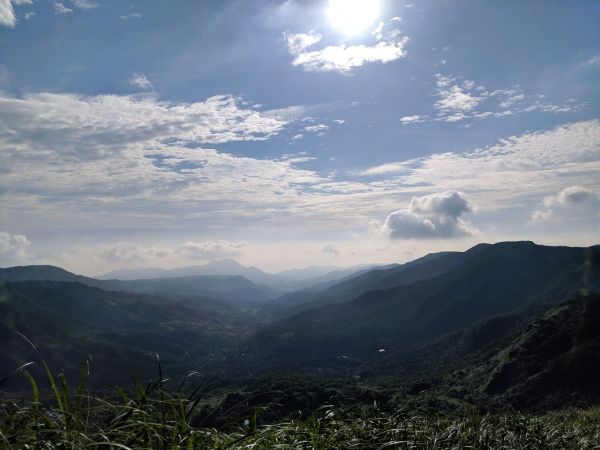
{"x": 352, "y": 17}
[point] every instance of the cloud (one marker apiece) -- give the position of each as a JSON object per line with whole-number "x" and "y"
{"x": 571, "y": 202}
{"x": 532, "y": 164}
{"x": 140, "y": 80}
{"x": 431, "y": 216}
{"x": 593, "y": 61}
{"x": 211, "y": 249}
{"x": 463, "y": 99}
{"x": 84, "y": 4}
{"x": 343, "y": 58}
{"x": 320, "y": 128}
{"x": 60, "y": 8}
{"x": 7, "y": 14}
{"x": 82, "y": 125}
{"x": 13, "y": 248}
{"x": 134, "y": 15}
{"x": 134, "y": 162}
{"x": 301, "y": 41}
{"x": 130, "y": 252}
{"x": 132, "y": 159}
{"x": 412, "y": 119}
{"x": 330, "y": 249}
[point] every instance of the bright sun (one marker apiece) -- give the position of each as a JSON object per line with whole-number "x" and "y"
{"x": 352, "y": 17}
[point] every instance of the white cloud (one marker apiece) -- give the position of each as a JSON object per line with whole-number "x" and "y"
{"x": 301, "y": 41}
{"x": 594, "y": 60}
{"x": 515, "y": 171}
{"x": 456, "y": 101}
{"x": 60, "y": 8}
{"x": 378, "y": 31}
{"x": 431, "y": 216}
{"x": 83, "y": 125}
{"x": 412, "y": 119}
{"x": 571, "y": 202}
{"x": 84, "y": 4}
{"x": 13, "y": 248}
{"x": 134, "y": 162}
{"x": 140, "y": 80}
{"x": 343, "y": 58}
{"x": 383, "y": 169}
{"x": 131, "y": 253}
{"x": 211, "y": 249}
{"x": 134, "y": 15}
{"x": 7, "y": 14}
{"x": 316, "y": 128}
{"x": 298, "y": 137}
{"x": 108, "y": 159}
{"x": 465, "y": 100}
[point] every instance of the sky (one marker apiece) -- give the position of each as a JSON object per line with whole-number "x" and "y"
{"x": 287, "y": 133}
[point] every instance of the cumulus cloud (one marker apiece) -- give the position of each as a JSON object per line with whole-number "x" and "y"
{"x": 532, "y": 165}
{"x": 301, "y": 41}
{"x": 211, "y": 249}
{"x": 140, "y": 80}
{"x": 7, "y": 14}
{"x": 571, "y": 202}
{"x": 320, "y": 128}
{"x": 60, "y": 8}
{"x": 412, "y": 119}
{"x": 431, "y": 216}
{"x": 84, "y": 4}
{"x": 13, "y": 248}
{"x": 344, "y": 58}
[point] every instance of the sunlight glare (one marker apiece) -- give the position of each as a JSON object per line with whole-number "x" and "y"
{"x": 352, "y": 17}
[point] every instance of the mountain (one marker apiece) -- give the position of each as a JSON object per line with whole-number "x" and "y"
{"x": 49, "y": 273}
{"x": 357, "y": 283}
{"x": 487, "y": 327}
{"x": 486, "y": 281}
{"x": 221, "y": 267}
{"x": 230, "y": 288}
{"x": 285, "y": 281}
{"x": 120, "y": 331}
{"x": 554, "y": 358}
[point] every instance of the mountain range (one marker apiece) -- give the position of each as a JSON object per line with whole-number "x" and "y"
{"x": 506, "y": 322}
{"x": 284, "y": 281}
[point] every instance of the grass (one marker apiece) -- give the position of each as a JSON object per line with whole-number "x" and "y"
{"x": 159, "y": 418}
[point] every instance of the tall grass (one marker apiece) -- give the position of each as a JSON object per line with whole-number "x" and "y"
{"x": 155, "y": 417}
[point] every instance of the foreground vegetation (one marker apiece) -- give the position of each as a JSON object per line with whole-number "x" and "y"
{"x": 152, "y": 417}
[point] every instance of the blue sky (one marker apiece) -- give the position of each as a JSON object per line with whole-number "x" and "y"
{"x": 168, "y": 133}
